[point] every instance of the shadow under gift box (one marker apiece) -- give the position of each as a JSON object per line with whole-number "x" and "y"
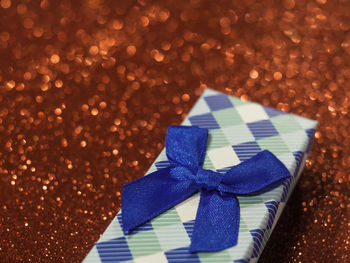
{"x": 237, "y": 131}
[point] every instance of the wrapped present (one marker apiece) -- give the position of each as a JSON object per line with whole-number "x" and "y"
{"x": 238, "y": 131}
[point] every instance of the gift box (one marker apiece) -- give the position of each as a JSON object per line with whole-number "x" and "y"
{"x": 238, "y": 130}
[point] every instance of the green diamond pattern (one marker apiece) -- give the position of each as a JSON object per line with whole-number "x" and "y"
{"x": 143, "y": 243}
{"x": 285, "y": 124}
{"x": 274, "y": 144}
{"x": 216, "y": 257}
{"x": 227, "y": 117}
{"x": 217, "y": 139}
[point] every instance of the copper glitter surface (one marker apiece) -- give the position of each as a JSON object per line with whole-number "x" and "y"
{"x": 88, "y": 88}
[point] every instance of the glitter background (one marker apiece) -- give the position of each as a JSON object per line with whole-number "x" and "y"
{"x": 88, "y": 88}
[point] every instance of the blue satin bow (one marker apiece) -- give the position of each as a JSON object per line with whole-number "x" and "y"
{"x": 217, "y": 220}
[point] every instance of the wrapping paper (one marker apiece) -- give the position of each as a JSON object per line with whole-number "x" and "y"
{"x": 238, "y": 130}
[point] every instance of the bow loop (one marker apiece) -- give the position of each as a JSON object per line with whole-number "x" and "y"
{"x": 186, "y": 146}
{"x": 261, "y": 172}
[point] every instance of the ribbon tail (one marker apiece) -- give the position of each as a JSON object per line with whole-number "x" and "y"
{"x": 149, "y": 196}
{"x": 217, "y": 222}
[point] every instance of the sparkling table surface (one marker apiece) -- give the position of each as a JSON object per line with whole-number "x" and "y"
{"x": 88, "y": 89}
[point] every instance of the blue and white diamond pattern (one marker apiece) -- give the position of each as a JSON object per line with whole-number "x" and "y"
{"x": 251, "y": 129}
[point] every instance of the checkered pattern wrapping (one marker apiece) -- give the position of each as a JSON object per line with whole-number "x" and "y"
{"x": 238, "y": 130}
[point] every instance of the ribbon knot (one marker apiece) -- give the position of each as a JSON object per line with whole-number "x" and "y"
{"x": 217, "y": 220}
{"x": 207, "y": 179}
